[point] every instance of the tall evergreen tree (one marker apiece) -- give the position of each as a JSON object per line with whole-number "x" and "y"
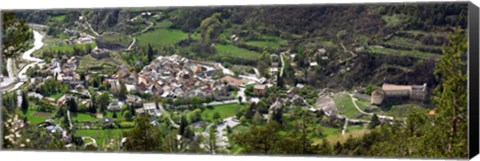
{"x": 103, "y": 101}
{"x": 150, "y": 53}
{"x": 374, "y": 122}
{"x": 14, "y": 35}
{"x": 450, "y": 98}
{"x": 72, "y": 105}
{"x": 24, "y": 102}
{"x": 257, "y": 118}
{"x": 212, "y": 140}
{"x": 143, "y": 137}
{"x": 92, "y": 108}
{"x": 183, "y": 125}
{"x": 122, "y": 94}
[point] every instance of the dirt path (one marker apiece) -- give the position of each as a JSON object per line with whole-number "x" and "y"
{"x": 345, "y": 126}
{"x": 90, "y": 26}
{"x": 169, "y": 119}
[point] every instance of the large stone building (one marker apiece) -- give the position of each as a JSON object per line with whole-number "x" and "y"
{"x": 413, "y": 92}
{"x": 100, "y": 53}
{"x": 377, "y": 97}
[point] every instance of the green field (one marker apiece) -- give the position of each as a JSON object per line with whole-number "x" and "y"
{"x": 267, "y": 41}
{"x": 328, "y": 131}
{"x": 119, "y": 115}
{"x": 34, "y": 118}
{"x": 333, "y": 135}
{"x": 58, "y": 18}
{"x": 163, "y": 24}
{"x": 101, "y": 135}
{"x": 342, "y": 138}
{"x": 354, "y": 128}
{"x": 364, "y": 105}
{"x": 225, "y": 111}
{"x": 410, "y": 43}
{"x": 57, "y": 95}
{"x": 345, "y": 105}
{"x": 161, "y": 37}
{"x": 233, "y": 51}
{"x": 241, "y": 128}
{"x": 127, "y": 123}
{"x": 269, "y": 44}
{"x": 405, "y": 109}
{"x": 84, "y": 117}
{"x": 69, "y": 48}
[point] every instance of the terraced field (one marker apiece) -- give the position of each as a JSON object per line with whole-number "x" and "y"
{"x": 396, "y": 52}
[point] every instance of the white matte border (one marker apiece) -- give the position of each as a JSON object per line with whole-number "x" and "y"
{"x": 84, "y": 156}
{"x": 51, "y": 4}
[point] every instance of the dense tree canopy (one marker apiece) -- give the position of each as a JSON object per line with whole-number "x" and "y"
{"x": 15, "y": 34}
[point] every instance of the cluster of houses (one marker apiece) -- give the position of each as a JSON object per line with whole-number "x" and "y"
{"x": 175, "y": 76}
{"x": 63, "y": 72}
{"x": 77, "y": 37}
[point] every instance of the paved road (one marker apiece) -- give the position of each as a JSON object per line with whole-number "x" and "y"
{"x": 241, "y": 93}
{"x": 283, "y": 62}
{"x": 94, "y": 142}
{"x": 133, "y": 43}
{"x": 220, "y": 131}
{"x": 10, "y": 68}
{"x": 222, "y": 138}
{"x": 150, "y": 25}
{"x": 225, "y": 70}
{"x": 251, "y": 78}
{"x": 28, "y": 57}
{"x": 134, "y": 40}
{"x": 256, "y": 71}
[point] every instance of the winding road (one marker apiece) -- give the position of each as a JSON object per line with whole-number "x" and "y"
{"x": 90, "y": 26}
{"x": 27, "y": 56}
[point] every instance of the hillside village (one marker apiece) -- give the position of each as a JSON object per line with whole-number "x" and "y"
{"x": 207, "y": 89}
{"x": 176, "y": 77}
